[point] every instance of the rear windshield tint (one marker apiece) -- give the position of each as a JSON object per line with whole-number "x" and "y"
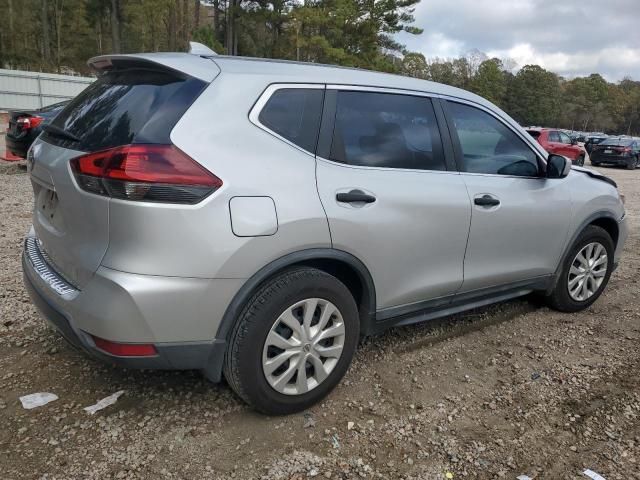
{"x": 126, "y": 106}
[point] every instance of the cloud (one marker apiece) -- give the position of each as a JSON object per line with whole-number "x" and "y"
{"x": 572, "y": 37}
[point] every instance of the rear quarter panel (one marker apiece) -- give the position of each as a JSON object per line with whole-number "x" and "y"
{"x": 198, "y": 240}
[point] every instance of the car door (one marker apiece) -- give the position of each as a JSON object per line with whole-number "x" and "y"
{"x": 519, "y": 220}
{"x": 391, "y": 193}
{"x": 567, "y": 148}
{"x": 554, "y": 145}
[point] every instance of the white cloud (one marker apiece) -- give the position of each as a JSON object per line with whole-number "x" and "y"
{"x": 572, "y": 37}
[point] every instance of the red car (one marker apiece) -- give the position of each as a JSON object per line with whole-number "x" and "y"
{"x": 558, "y": 142}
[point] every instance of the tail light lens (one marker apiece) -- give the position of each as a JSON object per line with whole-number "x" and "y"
{"x": 149, "y": 173}
{"x": 27, "y": 123}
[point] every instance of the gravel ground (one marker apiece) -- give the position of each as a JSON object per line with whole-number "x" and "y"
{"x": 496, "y": 393}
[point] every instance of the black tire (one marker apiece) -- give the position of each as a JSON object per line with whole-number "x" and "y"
{"x": 560, "y": 299}
{"x": 243, "y": 359}
{"x": 633, "y": 164}
{"x": 580, "y": 161}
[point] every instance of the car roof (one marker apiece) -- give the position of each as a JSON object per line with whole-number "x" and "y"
{"x": 315, "y": 72}
{"x": 540, "y": 129}
{"x": 283, "y": 71}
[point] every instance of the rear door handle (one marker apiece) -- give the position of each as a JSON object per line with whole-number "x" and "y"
{"x": 355, "y": 196}
{"x": 486, "y": 201}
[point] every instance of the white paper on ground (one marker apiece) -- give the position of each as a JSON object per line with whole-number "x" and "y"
{"x": 105, "y": 402}
{"x": 37, "y": 399}
{"x": 593, "y": 475}
{"x": 523, "y": 477}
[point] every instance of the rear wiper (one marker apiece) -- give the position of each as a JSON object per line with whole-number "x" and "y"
{"x": 60, "y": 132}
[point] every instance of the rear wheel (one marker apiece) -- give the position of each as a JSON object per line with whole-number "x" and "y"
{"x": 293, "y": 341}
{"x": 585, "y": 272}
{"x": 633, "y": 164}
{"x": 580, "y": 161}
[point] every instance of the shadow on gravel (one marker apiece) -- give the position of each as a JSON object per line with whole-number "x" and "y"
{"x": 414, "y": 337}
{"x": 401, "y": 340}
{"x": 12, "y": 168}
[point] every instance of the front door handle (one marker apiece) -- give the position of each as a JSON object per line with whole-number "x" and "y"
{"x": 355, "y": 196}
{"x": 486, "y": 201}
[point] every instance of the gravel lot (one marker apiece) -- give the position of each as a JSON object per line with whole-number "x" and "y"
{"x": 496, "y": 393}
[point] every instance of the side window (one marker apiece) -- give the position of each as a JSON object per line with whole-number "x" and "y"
{"x": 488, "y": 146}
{"x": 564, "y": 138}
{"x": 294, "y": 114}
{"x": 386, "y": 130}
{"x": 554, "y": 136}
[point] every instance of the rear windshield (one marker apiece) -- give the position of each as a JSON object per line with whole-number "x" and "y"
{"x": 123, "y": 107}
{"x": 618, "y": 142}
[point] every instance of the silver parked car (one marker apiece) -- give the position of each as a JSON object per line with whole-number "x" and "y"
{"x": 254, "y": 219}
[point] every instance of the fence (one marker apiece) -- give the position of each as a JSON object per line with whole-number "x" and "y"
{"x": 20, "y": 90}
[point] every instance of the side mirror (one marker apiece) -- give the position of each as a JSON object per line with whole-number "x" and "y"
{"x": 574, "y": 141}
{"x": 558, "y": 166}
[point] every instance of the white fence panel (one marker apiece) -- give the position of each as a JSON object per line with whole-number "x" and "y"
{"x": 31, "y": 90}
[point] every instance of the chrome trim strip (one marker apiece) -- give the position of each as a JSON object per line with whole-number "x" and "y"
{"x": 41, "y": 265}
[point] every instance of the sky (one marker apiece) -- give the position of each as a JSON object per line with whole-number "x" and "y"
{"x": 569, "y": 37}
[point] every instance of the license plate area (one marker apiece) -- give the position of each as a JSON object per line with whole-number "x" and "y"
{"x": 608, "y": 151}
{"x": 48, "y": 203}
{"x": 47, "y": 208}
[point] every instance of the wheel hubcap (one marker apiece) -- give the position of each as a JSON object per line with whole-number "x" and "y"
{"x": 587, "y": 271}
{"x": 303, "y": 346}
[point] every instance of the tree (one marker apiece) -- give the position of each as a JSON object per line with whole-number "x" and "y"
{"x": 489, "y": 81}
{"x": 534, "y": 96}
{"x": 415, "y": 65}
{"x": 116, "y": 19}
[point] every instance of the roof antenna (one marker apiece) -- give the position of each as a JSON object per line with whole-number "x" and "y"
{"x": 196, "y": 48}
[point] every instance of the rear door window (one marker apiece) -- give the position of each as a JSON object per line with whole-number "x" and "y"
{"x": 488, "y": 146}
{"x": 124, "y": 107}
{"x": 294, "y": 114}
{"x": 564, "y": 138}
{"x": 554, "y": 136}
{"x": 386, "y": 130}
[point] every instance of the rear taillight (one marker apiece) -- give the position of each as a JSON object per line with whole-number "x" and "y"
{"x": 149, "y": 173}
{"x": 27, "y": 123}
{"x": 626, "y": 151}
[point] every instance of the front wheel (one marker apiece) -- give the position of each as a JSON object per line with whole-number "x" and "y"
{"x": 293, "y": 341}
{"x": 585, "y": 271}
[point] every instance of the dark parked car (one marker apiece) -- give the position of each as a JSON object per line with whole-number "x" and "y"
{"x": 593, "y": 140}
{"x": 617, "y": 151}
{"x": 26, "y": 125}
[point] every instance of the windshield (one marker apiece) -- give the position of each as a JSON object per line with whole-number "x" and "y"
{"x": 618, "y": 142}
{"x": 126, "y": 106}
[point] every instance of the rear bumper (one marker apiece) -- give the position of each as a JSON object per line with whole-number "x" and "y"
{"x": 130, "y": 308}
{"x": 623, "y": 161}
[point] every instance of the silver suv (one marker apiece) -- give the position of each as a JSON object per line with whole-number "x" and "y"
{"x": 254, "y": 219}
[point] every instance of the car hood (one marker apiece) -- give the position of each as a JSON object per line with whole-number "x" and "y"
{"x": 596, "y": 175}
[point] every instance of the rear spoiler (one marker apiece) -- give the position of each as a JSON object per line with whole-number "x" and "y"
{"x": 197, "y": 66}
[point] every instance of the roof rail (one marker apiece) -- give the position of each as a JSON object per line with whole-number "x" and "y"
{"x": 196, "y": 48}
